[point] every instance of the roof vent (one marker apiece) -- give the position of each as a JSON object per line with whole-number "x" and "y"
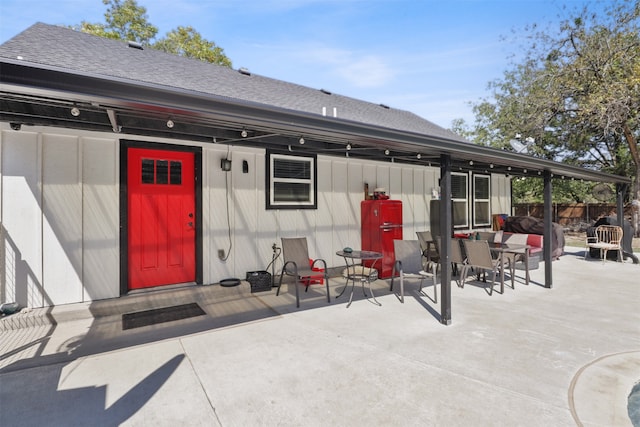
{"x": 328, "y": 92}
{"x": 135, "y": 45}
{"x": 384, "y": 106}
{"x": 244, "y": 71}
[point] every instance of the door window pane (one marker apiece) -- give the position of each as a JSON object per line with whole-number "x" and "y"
{"x": 162, "y": 172}
{"x": 147, "y": 171}
{"x": 175, "y": 173}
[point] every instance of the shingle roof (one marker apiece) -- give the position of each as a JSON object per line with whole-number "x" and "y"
{"x": 72, "y": 50}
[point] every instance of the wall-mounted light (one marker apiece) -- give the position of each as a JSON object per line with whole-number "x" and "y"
{"x": 491, "y": 166}
{"x": 470, "y": 162}
{"x": 225, "y": 165}
{"x": 301, "y": 141}
{"x": 170, "y": 124}
{"x": 508, "y": 168}
{"x": 75, "y": 111}
{"x": 386, "y": 152}
{"x": 524, "y": 170}
{"x": 348, "y": 147}
{"x": 418, "y": 156}
{"x": 243, "y": 133}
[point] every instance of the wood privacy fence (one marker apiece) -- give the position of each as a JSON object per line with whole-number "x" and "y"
{"x": 568, "y": 214}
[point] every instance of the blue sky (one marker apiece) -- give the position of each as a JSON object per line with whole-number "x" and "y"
{"x": 431, "y": 57}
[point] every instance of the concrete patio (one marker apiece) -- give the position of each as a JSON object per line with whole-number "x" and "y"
{"x": 532, "y": 356}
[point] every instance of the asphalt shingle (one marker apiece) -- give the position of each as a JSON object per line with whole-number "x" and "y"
{"x": 75, "y": 51}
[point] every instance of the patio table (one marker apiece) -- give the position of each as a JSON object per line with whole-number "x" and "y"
{"x": 354, "y": 275}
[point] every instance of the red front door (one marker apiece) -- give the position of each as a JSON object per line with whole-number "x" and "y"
{"x": 161, "y": 217}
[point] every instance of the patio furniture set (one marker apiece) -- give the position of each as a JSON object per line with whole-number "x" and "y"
{"x": 414, "y": 259}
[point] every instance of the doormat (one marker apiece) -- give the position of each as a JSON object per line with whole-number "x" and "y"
{"x": 160, "y": 315}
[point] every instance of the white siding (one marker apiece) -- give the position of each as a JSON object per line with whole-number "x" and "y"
{"x": 61, "y": 219}
{"x": 60, "y": 197}
{"x": 100, "y": 218}
{"x": 22, "y": 279}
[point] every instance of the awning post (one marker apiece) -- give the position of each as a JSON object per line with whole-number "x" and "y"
{"x": 548, "y": 229}
{"x": 446, "y": 225}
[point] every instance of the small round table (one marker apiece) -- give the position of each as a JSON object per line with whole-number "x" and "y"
{"x": 361, "y": 275}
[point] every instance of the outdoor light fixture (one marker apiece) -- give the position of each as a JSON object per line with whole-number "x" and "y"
{"x": 243, "y": 133}
{"x": 301, "y": 141}
{"x": 348, "y": 147}
{"x": 419, "y": 156}
{"x": 524, "y": 170}
{"x": 470, "y": 162}
{"x": 509, "y": 168}
{"x": 170, "y": 124}
{"x": 386, "y": 152}
{"x": 225, "y": 165}
{"x": 491, "y": 166}
{"x": 75, "y": 111}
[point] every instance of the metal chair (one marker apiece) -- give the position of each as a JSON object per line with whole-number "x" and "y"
{"x": 408, "y": 264}
{"x": 427, "y": 246}
{"x": 514, "y": 239}
{"x": 458, "y": 259}
{"x": 295, "y": 253}
{"x": 479, "y": 257}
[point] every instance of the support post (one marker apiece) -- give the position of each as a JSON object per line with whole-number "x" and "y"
{"x": 446, "y": 225}
{"x": 548, "y": 230}
{"x": 620, "y": 191}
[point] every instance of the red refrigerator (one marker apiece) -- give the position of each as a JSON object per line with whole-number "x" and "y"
{"x": 381, "y": 225}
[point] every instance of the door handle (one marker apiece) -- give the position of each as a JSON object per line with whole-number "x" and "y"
{"x": 190, "y": 224}
{"x": 190, "y": 214}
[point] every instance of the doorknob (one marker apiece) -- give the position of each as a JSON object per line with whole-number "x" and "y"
{"x": 190, "y": 214}
{"x": 190, "y": 224}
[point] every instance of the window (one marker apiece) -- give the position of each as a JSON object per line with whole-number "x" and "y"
{"x": 161, "y": 172}
{"x": 291, "y": 181}
{"x": 460, "y": 206}
{"x": 481, "y": 200}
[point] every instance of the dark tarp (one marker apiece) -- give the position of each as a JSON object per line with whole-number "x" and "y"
{"x": 531, "y": 225}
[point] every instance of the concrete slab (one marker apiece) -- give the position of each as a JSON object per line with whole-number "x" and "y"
{"x": 529, "y": 357}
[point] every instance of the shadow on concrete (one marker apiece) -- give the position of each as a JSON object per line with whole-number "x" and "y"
{"x": 79, "y": 406}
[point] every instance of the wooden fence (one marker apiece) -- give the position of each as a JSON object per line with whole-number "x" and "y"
{"x": 568, "y": 214}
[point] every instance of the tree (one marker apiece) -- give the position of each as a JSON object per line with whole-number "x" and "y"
{"x": 577, "y": 93}
{"x": 126, "y": 20}
{"x": 186, "y": 41}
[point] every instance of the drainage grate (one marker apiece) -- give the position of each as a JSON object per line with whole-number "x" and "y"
{"x": 160, "y": 315}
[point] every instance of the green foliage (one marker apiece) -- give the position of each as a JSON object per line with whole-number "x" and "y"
{"x": 186, "y": 41}
{"x": 576, "y": 91}
{"x": 531, "y": 190}
{"x": 126, "y": 20}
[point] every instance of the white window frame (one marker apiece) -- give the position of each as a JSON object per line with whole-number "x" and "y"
{"x": 458, "y": 201}
{"x": 477, "y": 200}
{"x": 272, "y": 203}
